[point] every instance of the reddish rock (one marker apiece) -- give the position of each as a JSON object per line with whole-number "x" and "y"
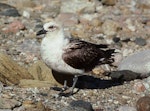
{"x": 14, "y": 27}
{"x": 143, "y": 104}
{"x": 139, "y": 87}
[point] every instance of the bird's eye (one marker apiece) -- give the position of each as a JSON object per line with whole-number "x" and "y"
{"x": 51, "y": 27}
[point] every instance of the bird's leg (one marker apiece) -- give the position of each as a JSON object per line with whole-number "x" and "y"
{"x": 75, "y": 79}
{"x": 65, "y": 87}
{"x": 66, "y": 91}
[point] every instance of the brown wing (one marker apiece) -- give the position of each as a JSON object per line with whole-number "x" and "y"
{"x": 82, "y": 55}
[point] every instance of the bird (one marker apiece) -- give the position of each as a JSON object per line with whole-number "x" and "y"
{"x": 70, "y": 55}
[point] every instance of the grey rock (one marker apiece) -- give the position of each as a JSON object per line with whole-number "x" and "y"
{"x": 126, "y": 108}
{"x": 69, "y": 108}
{"x": 124, "y": 75}
{"x": 138, "y": 62}
{"x": 82, "y": 104}
{"x": 140, "y": 41}
{"x": 7, "y": 10}
{"x": 78, "y": 105}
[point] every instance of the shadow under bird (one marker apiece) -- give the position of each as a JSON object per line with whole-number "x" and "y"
{"x": 70, "y": 55}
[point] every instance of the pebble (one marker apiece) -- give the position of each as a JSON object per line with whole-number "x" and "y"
{"x": 109, "y": 2}
{"x": 139, "y": 87}
{"x": 7, "y": 10}
{"x": 143, "y": 104}
{"x": 116, "y": 39}
{"x": 110, "y": 27}
{"x": 1, "y": 87}
{"x": 130, "y": 25}
{"x": 140, "y": 41}
{"x": 136, "y": 62}
{"x": 86, "y": 18}
{"x": 126, "y": 108}
{"x": 26, "y": 14}
{"x": 14, "y": 27}
{"x": 78, "y": 105}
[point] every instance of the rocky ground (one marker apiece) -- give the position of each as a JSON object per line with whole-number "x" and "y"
{"x": 26, "y": 80}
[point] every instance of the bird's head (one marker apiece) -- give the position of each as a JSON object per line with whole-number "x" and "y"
{"x": 50, "y": 29}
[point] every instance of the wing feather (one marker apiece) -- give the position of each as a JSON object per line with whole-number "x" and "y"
{"x": 82, "y": 55}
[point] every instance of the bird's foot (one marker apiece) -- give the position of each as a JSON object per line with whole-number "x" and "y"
{"x": 66, "y": 91}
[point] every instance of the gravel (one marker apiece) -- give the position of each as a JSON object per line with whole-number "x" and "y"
{"x": 122, "y": 24}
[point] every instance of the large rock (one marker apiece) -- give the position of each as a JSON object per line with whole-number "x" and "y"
{"x": 42, "y": 73}
{"x": 138, "y": 62}
{"x": 8, "y": 103}
{"x": 28, "y": 83}
{"x": 11, "y": 72}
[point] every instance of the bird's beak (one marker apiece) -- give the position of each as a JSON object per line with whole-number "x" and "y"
{"x": 41, "y": 32}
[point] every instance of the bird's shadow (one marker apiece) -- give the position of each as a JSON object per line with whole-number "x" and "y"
{"x": 85, "y": 81}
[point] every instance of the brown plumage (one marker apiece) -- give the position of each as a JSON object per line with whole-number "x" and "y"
{"x": 84, "y": 55}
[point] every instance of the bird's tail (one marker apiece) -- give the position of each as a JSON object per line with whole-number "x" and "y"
{"x": 109, "y": 53}
{"x": 109, "y": 59}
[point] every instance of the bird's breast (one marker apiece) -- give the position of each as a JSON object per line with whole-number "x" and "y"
{"x": 51, "y": 53}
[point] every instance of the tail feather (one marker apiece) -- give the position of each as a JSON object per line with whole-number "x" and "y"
{"x": 108, "y": 53}
{"x": 108, "y": 57}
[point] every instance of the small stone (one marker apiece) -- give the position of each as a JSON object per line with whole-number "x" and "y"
{"x": 14, "y": 27}
{"x": 82, "y": 104}
{"x": 116, "y": 39}
{"x": 28, "y": 104}
{"x": 109, "y": 2}
{"x": 1, "y": 87}
{"x": 130, "y": 25}
{"x": 143, "y": 104}
{"x": 126, "y": 108}
{"x": 79, "y": 105}
{"x": 26, "y": 14}
{"x": 140, "y": 41}
{"x": 110, "y": 27}
{"x": 98, "y": 71}
{"x": 7, "y": 10}
{"x": 139, "y": 87}
{"x": 96, "y": 22}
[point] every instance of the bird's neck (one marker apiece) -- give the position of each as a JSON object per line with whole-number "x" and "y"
{"x": 56, "y": 35}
